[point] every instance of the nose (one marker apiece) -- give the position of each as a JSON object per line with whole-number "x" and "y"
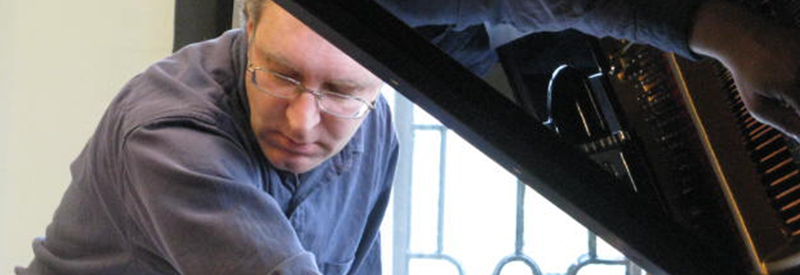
{"x": 302, "y": 116}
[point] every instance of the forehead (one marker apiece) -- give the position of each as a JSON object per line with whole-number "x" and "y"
{"x": 283, "y": 38}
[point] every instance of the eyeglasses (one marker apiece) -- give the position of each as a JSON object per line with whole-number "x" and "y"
{"x": 333, "y": 103}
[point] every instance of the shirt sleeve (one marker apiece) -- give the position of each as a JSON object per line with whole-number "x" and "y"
{"x": 665, "y": 24}
{"x": 196, "y": 204}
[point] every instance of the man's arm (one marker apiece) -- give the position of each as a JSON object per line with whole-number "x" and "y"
{"x": 196, "y": 204}
{"x": 664, "y": 23}
{"x": 763, "y": 58}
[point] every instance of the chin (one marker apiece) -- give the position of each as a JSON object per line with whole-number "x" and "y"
{"x": 293, "y": 164}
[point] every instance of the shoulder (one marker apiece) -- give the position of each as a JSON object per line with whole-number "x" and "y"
{"x": 188, "y": 147}
{"x": 189, "y": 101}
{"x": 199, "y": 83}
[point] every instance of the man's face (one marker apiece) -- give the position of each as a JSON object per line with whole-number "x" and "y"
{"x": 294, "y": 134}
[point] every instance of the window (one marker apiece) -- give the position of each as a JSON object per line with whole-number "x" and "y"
{"x": 455, "y": 211}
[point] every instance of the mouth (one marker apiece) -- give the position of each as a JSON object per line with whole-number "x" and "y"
{"x": 286, "y": 144}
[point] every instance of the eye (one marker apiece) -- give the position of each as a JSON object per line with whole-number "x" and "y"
{"x": 280, "y": 72}
{"x": 351, "y": 91}
{"x": 282, "y": 79}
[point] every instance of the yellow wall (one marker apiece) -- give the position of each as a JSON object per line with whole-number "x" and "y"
{"x": 61, "y": 62}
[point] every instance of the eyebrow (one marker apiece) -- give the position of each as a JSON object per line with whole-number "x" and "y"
{"x": 271, "y": 58}
{"x": 342, "y": 85}
{"x": 347, "y": 85}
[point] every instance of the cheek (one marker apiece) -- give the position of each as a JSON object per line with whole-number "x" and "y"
{"x": 340, "y": 130}
{"x": 262, "y": 109}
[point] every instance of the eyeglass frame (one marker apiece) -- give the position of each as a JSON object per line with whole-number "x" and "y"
{"x": 318, "y": 95}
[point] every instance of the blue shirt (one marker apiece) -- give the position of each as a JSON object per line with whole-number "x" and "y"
{"x": 173, "y": 182}
{"x": 471, "y": 24}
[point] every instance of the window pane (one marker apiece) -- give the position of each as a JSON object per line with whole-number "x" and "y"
{"x": 389, "y": 94}
{"x": 480, "y": 214}
{"x": 516, "y": 268}
{"x": 479, "y": 220}
{"x": 552, "y": 238}
{"x": 425, "y": 266}
{"x": 425, "y": 191}
{"x": 602, "y": 270}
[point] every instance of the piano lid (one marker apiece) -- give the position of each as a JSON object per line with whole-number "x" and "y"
{"x": 504, "y": 132}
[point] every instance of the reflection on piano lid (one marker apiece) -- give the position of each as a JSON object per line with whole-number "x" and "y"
{"x": 692, "y": 184}
{"x": 696, "y": 150}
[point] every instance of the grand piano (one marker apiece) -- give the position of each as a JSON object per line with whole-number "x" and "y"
{"x": 654, "y": 153}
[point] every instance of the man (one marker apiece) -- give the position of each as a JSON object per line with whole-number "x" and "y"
{"x": 269, "y": 151}
{"x": 265, "y": 151}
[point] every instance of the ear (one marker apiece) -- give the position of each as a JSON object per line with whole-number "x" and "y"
{"x": 250, "y": 27}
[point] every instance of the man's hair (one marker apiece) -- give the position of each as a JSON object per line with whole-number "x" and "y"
{"x": 252, "y": 10}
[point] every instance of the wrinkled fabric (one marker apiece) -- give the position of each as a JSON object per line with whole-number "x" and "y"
{"x": 665, "y": 24}
{"x": 173, "y": 182}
